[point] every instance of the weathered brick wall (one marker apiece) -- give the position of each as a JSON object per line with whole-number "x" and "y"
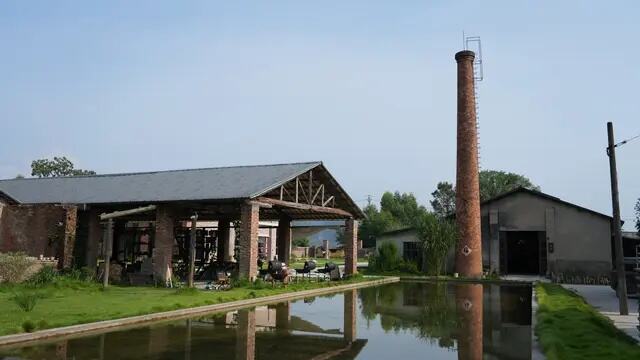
{"x": 163, "y": 242}
{"x": 33, "y": 229}
{"x": 469, "y": 246}
{"x": 47, "y": 230}
{"x": 248, "y": 247}
{"x": 350, "y": 246}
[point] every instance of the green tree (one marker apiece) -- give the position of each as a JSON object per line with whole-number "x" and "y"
{"x": 376, "y": 223}
{"x": 301, "y": 242}
{"x": 494, "y": 183}
{"x": 437, "y": 236}
{"x": 403, "y": 207}
{"x": 58, "y": 166}
{"x": 444, "y": 199}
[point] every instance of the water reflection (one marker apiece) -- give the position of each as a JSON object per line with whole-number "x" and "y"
{"x": 404, "y": 320}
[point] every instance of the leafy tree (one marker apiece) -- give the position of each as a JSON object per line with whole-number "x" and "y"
{"x": 444, "y": 199}
{"x": 301, "y": 242}
{"x": 58, "y": 166}
{"x": 437, "y": 236}
{"x": 376, "y": 223}
{"x": 403, "y": 207}
{"x": 494, "y": 183}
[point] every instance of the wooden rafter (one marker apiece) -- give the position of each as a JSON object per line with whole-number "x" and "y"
{"x": 308, "y": 207}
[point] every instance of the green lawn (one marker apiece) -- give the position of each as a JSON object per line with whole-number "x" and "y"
{"x": 569, "y": 328}
{"x": 70, "y": 302}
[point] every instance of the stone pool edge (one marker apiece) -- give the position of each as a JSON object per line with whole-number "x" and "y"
{"x": 182, "y": 313}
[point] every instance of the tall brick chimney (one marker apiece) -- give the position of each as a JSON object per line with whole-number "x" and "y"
{"x": 469, "y": 247}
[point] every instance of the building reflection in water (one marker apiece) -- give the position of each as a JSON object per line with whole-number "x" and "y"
{"x": 477, "y": 321}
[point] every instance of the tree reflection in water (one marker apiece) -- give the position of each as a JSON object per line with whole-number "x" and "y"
{"x": 473, "y": 318}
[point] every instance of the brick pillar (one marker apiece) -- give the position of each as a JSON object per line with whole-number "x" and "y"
{"x": 350, "y": 246}
{"x": 94, "y": 237}
{"x": 163, "y": 242}
{"x": 350, "y": 302}
{"x": 65, "y": 247}
{"x": 469, "y": 310}
{"x": 469, "y": 246}
{"x": 248, "y": 247}
{"x": 223, "y": 240}
{"x": 325, "y": 245}
{"x": 283, "y": 240}
{"x": 246, "y": 335}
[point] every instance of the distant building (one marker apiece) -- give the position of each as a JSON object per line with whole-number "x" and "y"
{"x": 530, "y": 232}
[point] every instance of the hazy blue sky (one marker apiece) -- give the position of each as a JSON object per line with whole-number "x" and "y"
{"x": 367, "y": 87}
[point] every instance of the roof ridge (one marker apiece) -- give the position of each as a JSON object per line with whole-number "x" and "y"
{"x": 163, "y": 171}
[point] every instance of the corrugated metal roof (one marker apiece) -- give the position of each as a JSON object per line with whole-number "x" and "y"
{"x": 193, "y": 184}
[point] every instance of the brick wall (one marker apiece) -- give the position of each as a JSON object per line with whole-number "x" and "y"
{"x": 350, "y": 246}
{"x": 47, "y": 230}
{"x": 163, "y": 242}
{"x": 469, "y": 246}
{"x": 248, "y": 247}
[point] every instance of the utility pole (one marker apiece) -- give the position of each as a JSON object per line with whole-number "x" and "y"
{"x": 617, "y": 237}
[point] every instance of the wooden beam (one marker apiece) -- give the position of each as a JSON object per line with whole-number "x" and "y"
{"x": 192, "y": 249}
{"x": 313, "y": 199}
{"x": 121, "y": 213}
{"x": 310, "y": 187}
{"x": 311, "y": 208}
{"x": 324, "y": 203}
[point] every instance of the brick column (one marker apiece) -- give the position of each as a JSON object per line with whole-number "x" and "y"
{"x": 350, "y": 246}
{"x": 223, "y": 240}
{"x": 65, "y": 247}
{"x": 350, "y": 316}
{"x": 469, "y": 246}
{"x": 94, "y": 237}
{"x": 325, "y": 245}
{"x": 246, "y": 335}
{"x": 248, "y": 247}
{"x": 283, "y": 240}
{"x": 163, "y": 242}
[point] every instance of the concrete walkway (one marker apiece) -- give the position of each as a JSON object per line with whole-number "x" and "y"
{"x": 604, "y": 299}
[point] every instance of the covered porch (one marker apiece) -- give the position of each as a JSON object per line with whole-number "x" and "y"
{"x": 156, "y": 236}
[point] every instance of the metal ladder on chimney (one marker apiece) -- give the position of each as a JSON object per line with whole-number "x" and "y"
{"x": 475, "y": 43}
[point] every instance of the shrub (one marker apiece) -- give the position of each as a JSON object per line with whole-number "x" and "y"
{"x": 14, "y": 267}
{"x": 28, "y": 326}
{"x": 386, "y": 258}
{"x": 46, "y": 275}
{"x": 26, "y": 300}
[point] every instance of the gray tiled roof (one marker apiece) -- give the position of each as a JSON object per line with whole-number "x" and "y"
{"x": 194, "y": 184}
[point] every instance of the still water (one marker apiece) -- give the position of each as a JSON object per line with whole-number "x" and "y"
{"x": 408, "y": 320}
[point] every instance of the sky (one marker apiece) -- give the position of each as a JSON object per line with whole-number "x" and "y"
{"x": 367, "y": 87}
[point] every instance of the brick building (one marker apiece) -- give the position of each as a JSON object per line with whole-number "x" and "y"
{"x": 61, "y": 216}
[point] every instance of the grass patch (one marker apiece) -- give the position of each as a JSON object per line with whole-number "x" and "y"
{"x": 68, "y": 302}
{"x": 569, "y": 328}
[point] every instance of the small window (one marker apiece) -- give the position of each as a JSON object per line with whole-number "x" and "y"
{"x": 410, "y": 250}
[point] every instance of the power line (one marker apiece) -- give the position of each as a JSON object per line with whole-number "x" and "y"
{"x": 627, "y": 140}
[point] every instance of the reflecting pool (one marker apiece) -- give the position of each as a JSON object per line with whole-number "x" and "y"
{"x": 407, "y": 320}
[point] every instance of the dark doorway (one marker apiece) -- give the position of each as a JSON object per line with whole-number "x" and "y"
{"x": 522, "y": 251}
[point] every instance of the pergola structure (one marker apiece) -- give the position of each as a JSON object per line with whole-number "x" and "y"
{"x": 248, "y": 194}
